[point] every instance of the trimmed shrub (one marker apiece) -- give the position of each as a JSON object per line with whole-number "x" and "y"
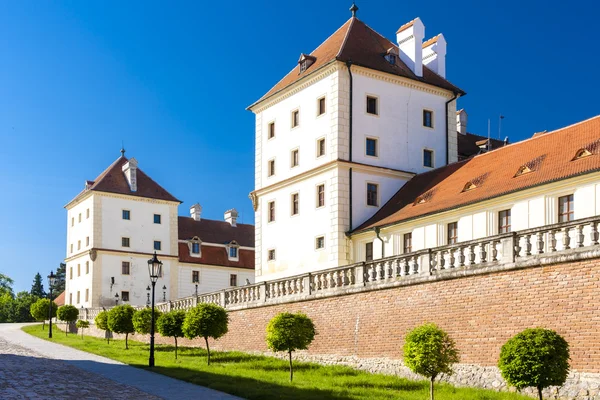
{"x": 82, "y": 324}
{"x": 120, "y": 320}
{"x": 290, "y": 332}
{"x": 171, "y": 325}
{"x": 101, "y": 322}
{"x": 207, "y": 321}
{"x": 68, "y": 314}
{"x": 40, "y": 309}
{"x": 142, "y": 320}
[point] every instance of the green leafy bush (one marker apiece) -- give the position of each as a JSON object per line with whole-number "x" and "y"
{"x": 40, "y": 309}
{"x": 429, "y": 351}
{"x": 290, "y": 332}
{"x": 142, "y": 320}
{"x": 535, "y": 357}
{"x": 82, "y": 324}
{"x": 171, "y": 325}
{"x": 207, "y": 321}
{"x": 101, "y": 322}
{"x": 68, "y": 314}
{"x": 120, "y": 320}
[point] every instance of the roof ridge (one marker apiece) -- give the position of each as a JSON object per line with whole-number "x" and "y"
{"x": 216, "y": 220}
{"x": 345, "y": 36}
{"x": 103, "y": 174}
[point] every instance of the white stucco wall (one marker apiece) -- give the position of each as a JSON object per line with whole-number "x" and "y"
{"x": 79, "y": 231}
{"x": 212, "y": 278}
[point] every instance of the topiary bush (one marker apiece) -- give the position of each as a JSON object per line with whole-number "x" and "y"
{"x": 40, "y": 309}
{"x": 207, "y": 321}
{"x": 171, "y": 325}
{"x": 82, "y": 324}
{"x": 142, "y": 320}
{"x": 68, "y": 314}
{"x": 120, "y": 320}
{"x": 101, "y": 322}
{"x": 429, "y": 351}
{"x": 290, "y": 332}
{"x": 535, "y": 357}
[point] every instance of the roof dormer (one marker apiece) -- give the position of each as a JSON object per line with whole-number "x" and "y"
{"x": 305, "y": 61}
{"x": 195, "y": 246}
{"x": 391, "y": 55}
{"x": 233, "y": 251}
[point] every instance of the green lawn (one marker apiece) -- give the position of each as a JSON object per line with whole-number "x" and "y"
{"x": 264, "y": 378}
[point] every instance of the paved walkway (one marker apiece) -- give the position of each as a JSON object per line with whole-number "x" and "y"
{"x": 32, "y": 368}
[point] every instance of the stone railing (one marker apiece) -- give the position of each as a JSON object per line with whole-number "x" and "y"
{"x": 504, "y": 251}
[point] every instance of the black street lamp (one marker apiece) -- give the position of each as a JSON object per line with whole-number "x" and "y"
{"x": 148, "y": 294}
{"x": 51, "y": 283}
{"x": 117, "y": 299}
{"x": 164, "y": 293}
{"x": 196, "y": 290}
{"x": 155, "y": 270}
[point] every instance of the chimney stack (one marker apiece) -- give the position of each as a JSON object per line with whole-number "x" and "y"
{"x": 130, "y": 171}
{"x": 461, "y": 122}
{"x": 231, "y": 216}
{"x": 434, "y": 55}
{"x": 196, "y": 211}
{"x": 410, "y": 41}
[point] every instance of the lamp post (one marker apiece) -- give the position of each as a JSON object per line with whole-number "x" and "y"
{"x": 155, "y": 270}
{"x": 51, "y": 282}
{"x": 117, "y": 299}
{"x": 196, "y": 289}
{"x": 148, "y": 295}
{"x": 164, "y": 293}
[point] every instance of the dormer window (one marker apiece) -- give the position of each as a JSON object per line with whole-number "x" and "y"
{"x": 195, "y": 246}
{"x": 233, "y": 250}
{"x": 305, "y": 61}
{"x": 391, "y": 55}
{"x": 582, "y": 154}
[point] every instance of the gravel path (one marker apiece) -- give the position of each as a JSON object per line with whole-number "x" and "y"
{"x": 32, "y": 368}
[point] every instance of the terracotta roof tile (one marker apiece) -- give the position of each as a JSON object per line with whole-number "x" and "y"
{"x": 212, "y": 255}
{"x": 551, "y": 154}
{"x": 430, "y": 42}
{"x": 60, "y": 299}
{"x": 356, "y": 42}
{"x": 406, "y": 26}
{"x": 213, "y": 231}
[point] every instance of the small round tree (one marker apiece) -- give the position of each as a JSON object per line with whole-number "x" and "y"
{"x": 142, "y": 320}
{"x": 535, "y": 357}
{"x": 290, "y": 332}
{"x": 120, "y": 320}
{"x": 429, "y": 351}
{"x": 101, "y": 322}
{"x": 207, "y": 321}
{"x": 40, "y": 309}
{"x": 171, "y": 325}
{"x": 68, "y": 314}
{"x": 82, "y": 324}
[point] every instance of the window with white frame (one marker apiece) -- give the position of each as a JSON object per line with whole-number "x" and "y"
{"x": 372, "y": 105}
{"x": 320, "y": 242}
{"x": 428, "y": 118}
{"x": 320, "y": 147}
{"x": 295, "y": 158}
{"x": 371, "y": 147}
{"x": 428, "y": 158}
{"x": 271, "y": 255}
{"x": 372, "y": 194}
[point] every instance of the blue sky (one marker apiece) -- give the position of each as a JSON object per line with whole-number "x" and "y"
{"x": 172, "y": 80}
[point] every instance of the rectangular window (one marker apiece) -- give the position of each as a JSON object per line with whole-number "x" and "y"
{"x": 320, "y": 242}
{"x": 196, "y": 248}
{"x": 321, "y": 147}
{"x": 79, "y": 217}
{"x": 295, "y": 118}
{"x": 372, "y": 105}
{"x": 321, "y": 106}
{"x": 78, "y": 269}
{"x": 126, "y": 214}
{"x": 125, "y": 296}
{"x": 371, "y": 147}
{"x": 70, "y": 272}
{"x": 271, "y": 129}
{"x": 157, "y": 245}
{"x": 87, "y": 241}
{"x": 428, "y": 158}
{"x": 125, "y": 242}
{"x": 195, "y": 276}
{"x": 78, "y": 298}
{"x": 369, "y": 251}
{"x": 453, "y": 233}
{"x": 87, "y": 267}
{"x": 232, "y": 280}
{"x": 295, "y": 159}
{"x": 271, "y": 211}
{"x": 504, "y": 221}
{"x": 428, "y": 118}
{"x": 71, "y": 247}
{"x": 79, "y": 245}
{"x": 295, "y": 204}
{"x": 87, "y": 213}
{"x": 408, "y": 242}
{"x": 320, "y": 195}
{"x": 566, "y": 208}
{"x": 271, "y": 170}
{"x": 73, "y": 221}
{"x": 87, "y": 295}
{"x": 233, "y": 252}
{"x": 271, "y": 255}
{"x": 125, "y": 267}
{"x": 372, "y": 199}
{"x": 157, "y": 219}
{"x": 71, "y": 298}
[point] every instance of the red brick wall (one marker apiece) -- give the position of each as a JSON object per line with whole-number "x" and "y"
{"x": 479, "y": 312}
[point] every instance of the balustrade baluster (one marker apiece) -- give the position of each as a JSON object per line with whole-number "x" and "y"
{"x": 566, "y": 239}
{"x": 415, "y": 265}
{"x": 580, "y": 236}
{"x": 552, "y": 240}
{"x": 482, "y": 252}
{"x": 461, "y": 256}
{"x": 594, "y": 233}
{"x": 452, "y": 259}
{"x": 432, "y": 260}
{"x": 540, "y": 242}
{"x": 404, "y": 267}
{"x": 471, "y": 255}
{"x": 442, "y": 260}
{"x": 527, "y": 245}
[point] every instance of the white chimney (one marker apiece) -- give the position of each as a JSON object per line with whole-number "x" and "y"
{"x": 130, "y": 171}
{"x": 410, "y": 41}
{"x": 461, "y": 122}
{"x": 231, "y": 216}
{"x": 196, "y": 211}
{"x": 434, "y": 55}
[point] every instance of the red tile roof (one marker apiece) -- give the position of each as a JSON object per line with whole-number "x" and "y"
{"x": 551, "y": 155}
{"x": 213, "y": 231}
{"x": 112, "y": 180}
{"x": 356, "y": 42}
{"x": 60, "y": 299}
{"x": 213, "y": 255}
{"x": 432, "y": 41}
